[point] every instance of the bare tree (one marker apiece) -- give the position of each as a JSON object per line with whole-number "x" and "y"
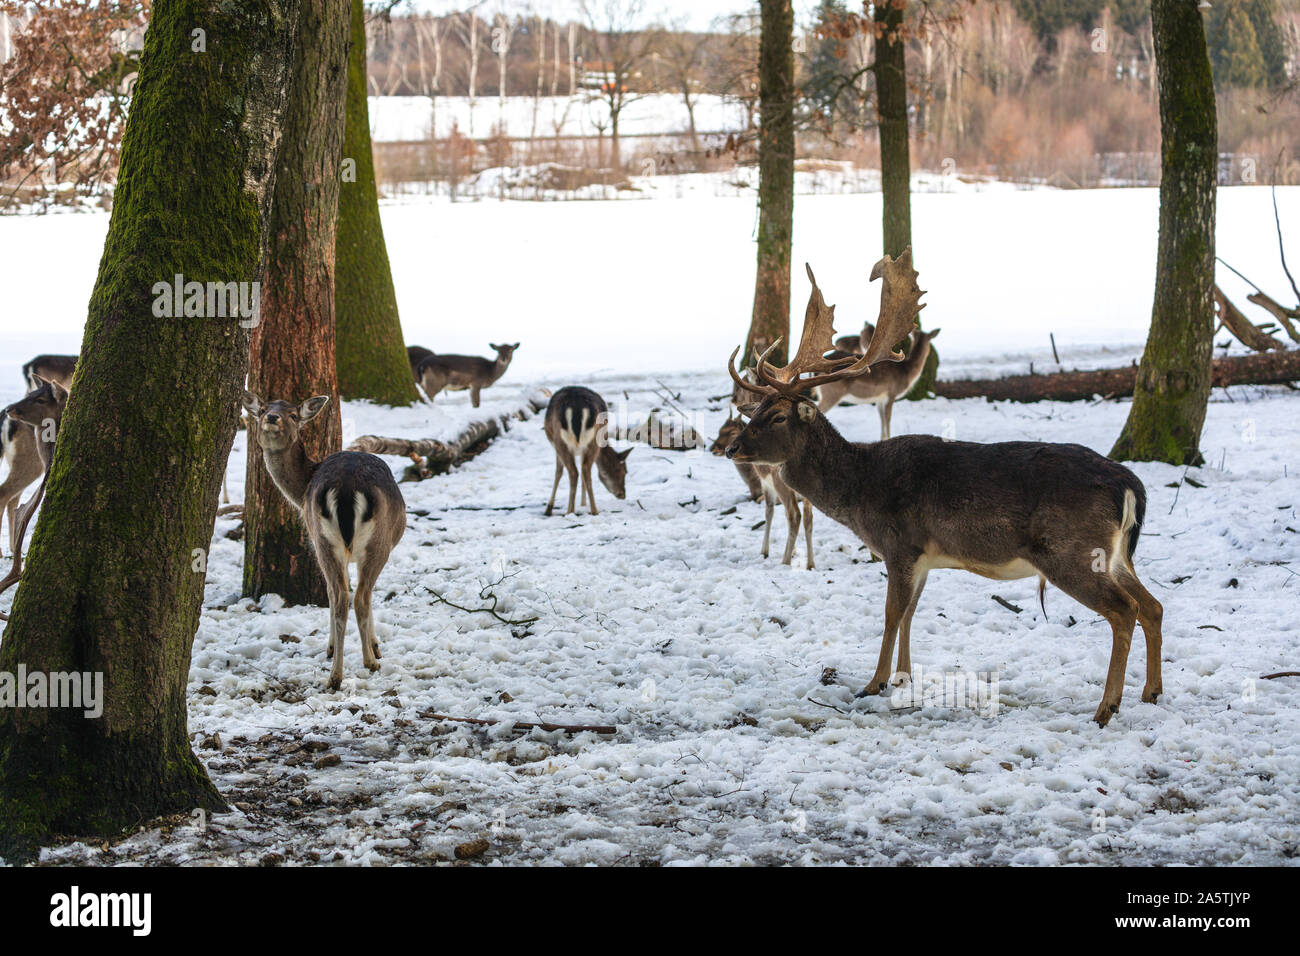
{"x": 622, "y": 47}
{"x": 467, "y": 26}
{"x": 503, "y": 31}
{"x": 683, "y": 55}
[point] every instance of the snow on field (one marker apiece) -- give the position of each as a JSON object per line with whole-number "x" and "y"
{"x": 406, "y": 118}
{"x": 598, "y": 287}
{"x": 658, "y": 616}
{"x": 734, "y": 741}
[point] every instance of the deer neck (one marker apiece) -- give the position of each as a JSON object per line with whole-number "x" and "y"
{"x": 829, "y": 473}
{"x": 291, "y": 470}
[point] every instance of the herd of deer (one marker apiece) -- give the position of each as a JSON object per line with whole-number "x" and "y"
{"x": 1060, "y": 512}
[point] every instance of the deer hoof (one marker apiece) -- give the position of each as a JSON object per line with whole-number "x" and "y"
{"x": 1104, "y": 713}
{"x": 1150, "y": 694}
{"x": 375, "y": 650}
{"x": 873, "y": 688}
{"x": 372, "y": 666}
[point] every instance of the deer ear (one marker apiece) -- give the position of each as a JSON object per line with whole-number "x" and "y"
{"x": 252, "y": 404}
{"x": 622, "y": 455}
{"x": 515, "y": 346}
{"x": 311, "y": 408}
{"x": 807, "y": 411}
{"x": 748, "y": 409}
{"x": 60, "y": 393}
{"x": 934, "y": 333}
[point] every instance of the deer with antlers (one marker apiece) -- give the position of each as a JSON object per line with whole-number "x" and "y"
{"x": 1005, "y": 510}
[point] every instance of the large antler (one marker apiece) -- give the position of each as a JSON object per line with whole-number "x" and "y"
{"x": 899, "y": 304}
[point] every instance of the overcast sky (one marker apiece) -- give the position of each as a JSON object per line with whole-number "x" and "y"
{"x": 696, "y": 14}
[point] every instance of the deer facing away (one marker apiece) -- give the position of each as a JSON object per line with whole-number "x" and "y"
{"x": 1005, "y": 510}
{"x": 50, "y": 368}
{"x": 415, "y": 354}
{"x": 353, "y": 510}
{"x": 770, "y": 490}
{"x": 459, "y": 372}
{"x": 576, "y": 423}
{"x": 882, "y": 385}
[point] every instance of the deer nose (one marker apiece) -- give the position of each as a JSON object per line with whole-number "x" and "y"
{"x": 731, "y": 450}
{"x": 272, "y": 419}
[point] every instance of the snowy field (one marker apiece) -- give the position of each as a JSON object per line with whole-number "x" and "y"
{"x": 730, "y": 679}
{"x": 659, "y": 617}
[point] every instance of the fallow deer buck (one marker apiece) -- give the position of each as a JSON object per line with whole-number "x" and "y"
{"x": 1004, "y": 510}
{"x": 576, "y": 423}
{"x": 353, "y": 510}
{"x": 881, "y": 386}
{"x": 459, "y": 372}
{"x": 770, "y": 489}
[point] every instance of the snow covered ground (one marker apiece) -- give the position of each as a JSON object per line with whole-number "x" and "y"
{"x": 658, "y": 616}
{"x": 730, "y": 679}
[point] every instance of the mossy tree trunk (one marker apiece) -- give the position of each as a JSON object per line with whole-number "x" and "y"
{"x": 371, "y": 354}
{"x": 1173, "y": 381}
{"x": 890, "y": 71}
{"x": 770, "y": 319}
{"x": 114, "y": 579}
{"x": 292, "y": 354}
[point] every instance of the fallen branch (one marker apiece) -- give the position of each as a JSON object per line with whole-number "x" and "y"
{"x": 1280, "y": 674}
{"x": 1249, "y": 334}
{"x": 484, "y": 595}
{"x": 524, "y": 724}
{"x": 1265, "y": 368}
{"x": 431, "y": 456}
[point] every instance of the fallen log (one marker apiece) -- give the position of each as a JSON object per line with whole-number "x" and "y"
{"x": 1264, "y": 368}
{"x": 430, "y": 456}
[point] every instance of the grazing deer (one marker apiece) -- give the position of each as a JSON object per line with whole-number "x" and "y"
{"x": 856, "y": 343}
{"x": 37, "y": 417}
{"x": 881, "y": 386}
{"x": 50, "y": 368}
{"x": 459, "y": 372}
{"x": 765, "y": 485}
{"x": 351, "y": 506}
{"x": 576, "y": 423}
{"x": 1004, "y": 510}
{"x": 417, "y": 354}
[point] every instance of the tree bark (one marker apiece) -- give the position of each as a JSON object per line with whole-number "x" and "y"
{"x": 292, "y": 354}
{"x": 1173, "y": 381}
{"x": 890, "y": 71}
{"x": 1265, "y": 368}
{"x": 371, "y": 354}
{"x": 771, "y": 315}
{"x": 114, "y": 579}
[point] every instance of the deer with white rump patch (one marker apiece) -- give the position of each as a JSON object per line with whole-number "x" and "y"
{"x": 353, "y": 510}
{"x": 577, "y": 423}
{"x": 1004, "y": 510}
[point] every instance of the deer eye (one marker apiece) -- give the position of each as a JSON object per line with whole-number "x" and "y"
{"x": 779, "y": 420}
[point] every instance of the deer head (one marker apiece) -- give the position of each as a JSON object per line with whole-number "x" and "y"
{"x": 611, "y": 466}
{"x": 504, "y": 352}
{"x": 278, "y": 422}
{"x": 779, "y": 421}
{"x": 42, "y": 408}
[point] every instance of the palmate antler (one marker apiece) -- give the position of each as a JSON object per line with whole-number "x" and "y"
{"x": 899, "y": 304}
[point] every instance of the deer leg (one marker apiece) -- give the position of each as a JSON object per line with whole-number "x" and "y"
{"x": 791, "y": 505}
{"x": 807, "y": 530}
{"x": 11, "y": 512}
{"x": 336, "y": 584}
{"x": 905, "y": 625}
{"x": 573, "y": 482}
{"x": 473, "y": 395}
{"x": 559, "y": 470}
{"x": 1150, "y": 615}
{"x": 1101, "y": 592}
{"x": 898, "y": 594}
{"x": 769, "y": 505}
{"x": 587, "y": 461}
{"x": 368, "y": 568}
{"x": 886, "y": 409}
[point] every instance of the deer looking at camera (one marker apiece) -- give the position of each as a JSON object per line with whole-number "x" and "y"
{"x": 881, "y": 386}
{"x": 1004, "y": 510}
{"x": 576, "y": 423}
{"x": 765, "y": 485}
{"x": 351, "y": 506}
{"x": 459, "y": 372}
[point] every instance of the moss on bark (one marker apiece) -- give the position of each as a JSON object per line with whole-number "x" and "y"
{"x": 1174, "y": 377}
{"x": 110, "y": 584}
{"x": 770, "y": 319}
{"x": 371, "y": 354}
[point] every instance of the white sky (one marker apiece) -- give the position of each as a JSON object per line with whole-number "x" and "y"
{"x": 695, "y": 14}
